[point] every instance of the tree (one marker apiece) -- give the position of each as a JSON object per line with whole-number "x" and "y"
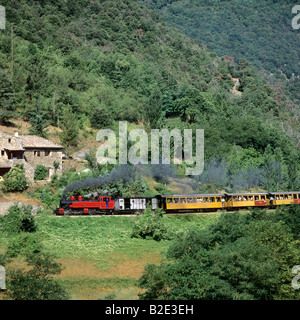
{"x": 238, "y": 257}
{"x": 15, "y": 179}
{"x": 153, "y": 109}
{"x": 39, "y": 121}
{"x": 37, "y": 283}
{"x": 275, "y": 171}
{"x": 7, "y": 103}
{"x": 69, "y": 125}
{"x": 101, "y": 118}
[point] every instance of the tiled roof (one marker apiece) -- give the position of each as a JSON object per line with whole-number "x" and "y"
{"x": 10, "y": 142}
{"x": 21, "y": 142}
{"x": 5, "y": 164}
{"x": 38, "y": 142}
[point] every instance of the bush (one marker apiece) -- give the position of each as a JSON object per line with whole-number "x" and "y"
{"x": 40, "y": 172}
{"x": 15, "y": 179}
{"x": 150, "y": 225}
{"x": 23, "y": 243}
{"x": 38, "y": 282}
{"x": 48, "y": 196}
{"x": 19, "y": 219}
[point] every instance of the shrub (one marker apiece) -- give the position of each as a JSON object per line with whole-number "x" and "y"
{"x": 19, "y": 219}
{"x": 15, "y": 179}
{"x": 23, "y": 243}
{"x": 150, "y": 225}
{"x": 40, "y": 172}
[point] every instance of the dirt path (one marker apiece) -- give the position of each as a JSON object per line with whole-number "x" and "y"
{"x": 236, "y": 84}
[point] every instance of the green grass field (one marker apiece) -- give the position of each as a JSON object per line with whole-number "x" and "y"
{"x": 99, "y": 256}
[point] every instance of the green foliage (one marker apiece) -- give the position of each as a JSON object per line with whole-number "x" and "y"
{"x": 23, "y": 244}
{"x": 140, "y": 69}
{"x": 38, "y": 282}
{"x": 48, "y": 196}
{"x": 7, "y": 102}
{"x": 232, "y": 29}
{"x": 39, "y": 121}
{"x": 240, "y": 257}
{"x": 40, "y": 172}
{"x": 101, "y": 118}
{"x": 15, "y": 179}
{"x": 151, "y": 225}
{"x": 69, "y": 126}
{"x": 291, "y": 217}
{"x": 56, "y": 166}
{"x": 19, "y": 219}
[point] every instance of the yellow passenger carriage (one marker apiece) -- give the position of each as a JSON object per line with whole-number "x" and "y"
{"x": 290, "y": 197}
{"x": 193, "y": 202}
{"x": 244, "y": 200}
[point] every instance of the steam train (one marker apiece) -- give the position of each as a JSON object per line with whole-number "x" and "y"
{"x": 93, "y": 204}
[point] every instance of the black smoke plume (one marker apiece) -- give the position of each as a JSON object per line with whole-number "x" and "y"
{"x": 124, "y": 174}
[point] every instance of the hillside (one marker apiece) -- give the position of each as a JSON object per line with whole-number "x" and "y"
{"x": 106, "y": 61}
{"x": 80, "y": 66}
{"x": 259, "y": 31}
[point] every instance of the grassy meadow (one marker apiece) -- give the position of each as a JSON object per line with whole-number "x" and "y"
{"x": 101, "y": 260}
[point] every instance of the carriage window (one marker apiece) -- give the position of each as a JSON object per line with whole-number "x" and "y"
{"x": 218, "y": 199}
{"x": 263, "y": 198}
{"x": 290, "y": 196}
{"x": 212, "y": 199}
{"x": 182, "y": 200}
{"x": 245, "y": 198}
{"x": 189, "y": 200}
{"x": 234, "y": 198}
{"x": 205, "y": 199}
{"x": 286, "y": 197}
{"x": 176, "y": 200}
{"x": 256, "y": 198}
{"x": 194, "y": 200}
{"x": 199, "y": 199}
{"x": 169, "y": 200}
{"x": 295, "y": 196}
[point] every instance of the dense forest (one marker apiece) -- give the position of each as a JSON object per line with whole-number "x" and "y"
{"x": 259, "y": 31}
{"x": 94, "y": 63}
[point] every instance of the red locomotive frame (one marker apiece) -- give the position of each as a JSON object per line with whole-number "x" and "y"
{"x": 102, "y": 205}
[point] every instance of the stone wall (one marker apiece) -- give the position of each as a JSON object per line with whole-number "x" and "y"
{"x": 45, "y": 157}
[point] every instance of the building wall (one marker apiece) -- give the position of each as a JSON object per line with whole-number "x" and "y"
{"x": 45, "y": 157}
{"x": 31, "y": 157}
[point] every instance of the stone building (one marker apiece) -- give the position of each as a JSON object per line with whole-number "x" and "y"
{"x": 31, "y": 151}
